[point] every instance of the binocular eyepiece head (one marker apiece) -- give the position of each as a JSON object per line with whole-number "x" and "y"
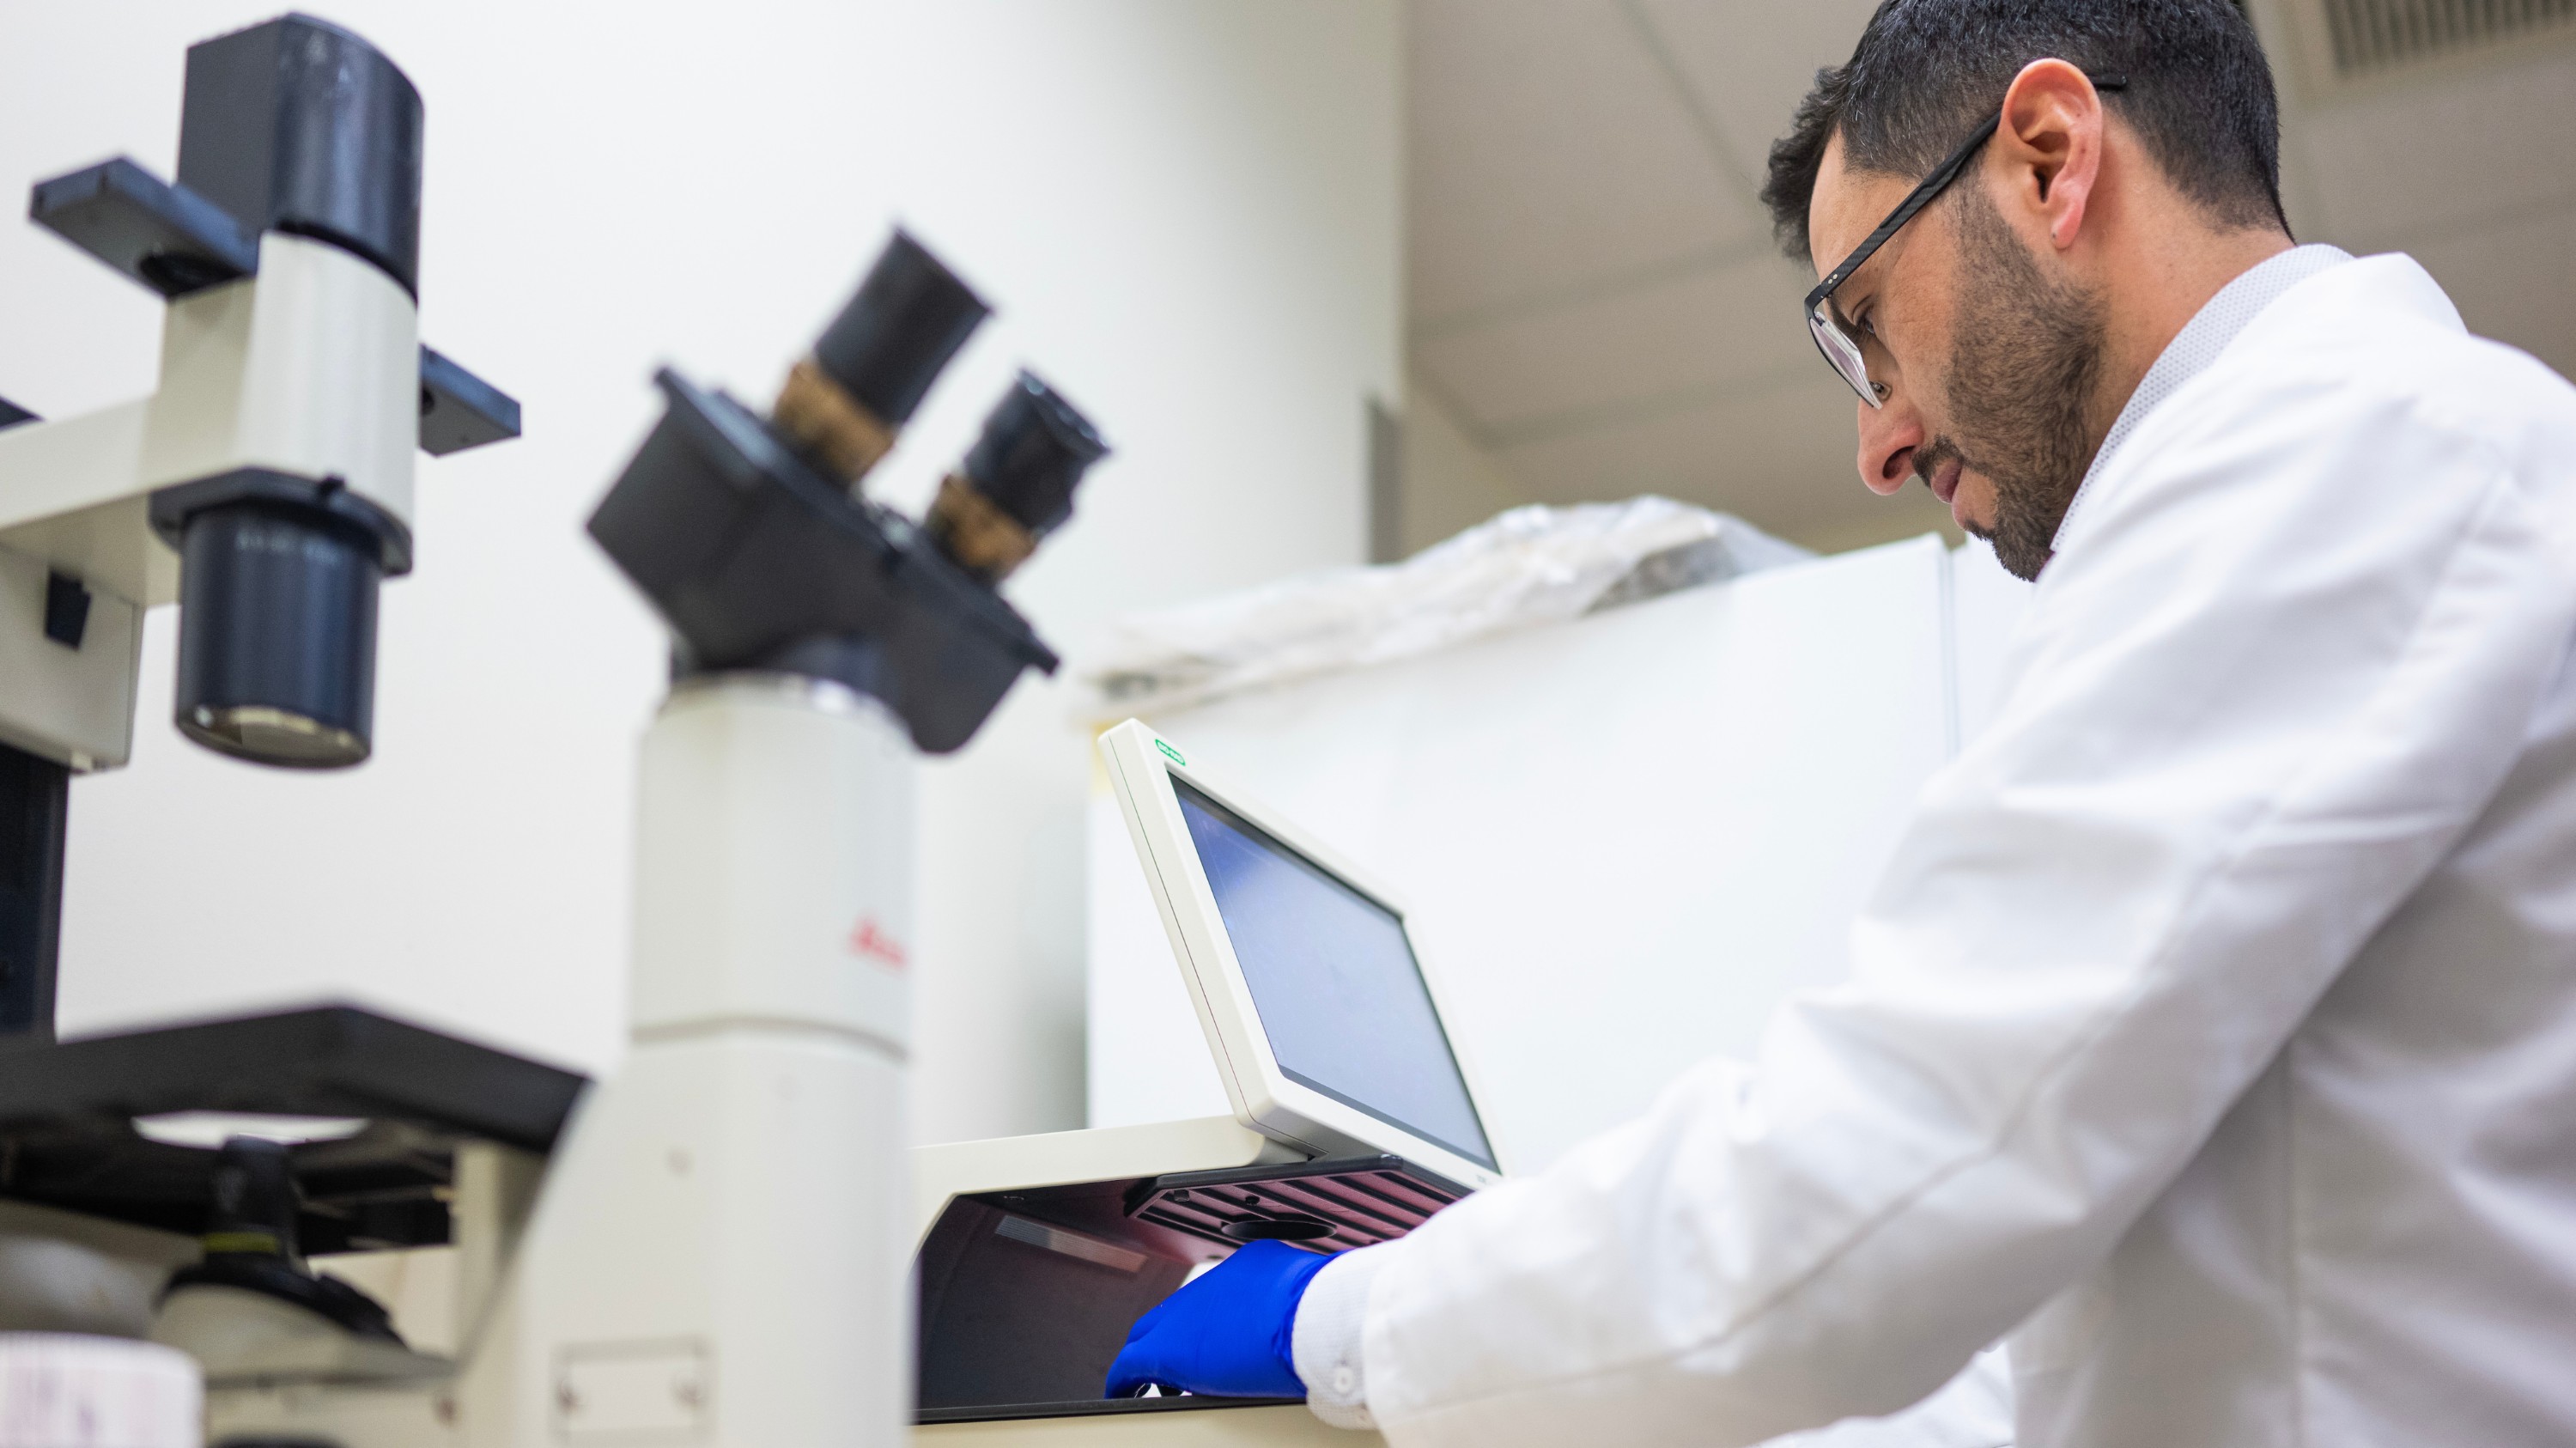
{"x": 845, "y": 403}
{"x": 751, "y": 539}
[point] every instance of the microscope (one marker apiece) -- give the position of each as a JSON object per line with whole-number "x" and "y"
{"x": 266, "y": 487}
{"x": 712, "y": 1246}
{"x": 723, "y": 1243}
{"x": 722, "y": 1250}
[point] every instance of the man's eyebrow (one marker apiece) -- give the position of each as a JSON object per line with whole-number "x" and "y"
{"x": 1863, "y": 283}
{"x": 1851, "y": 285}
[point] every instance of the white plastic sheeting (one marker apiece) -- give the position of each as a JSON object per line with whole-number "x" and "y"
{"x": 1532, "y": 565}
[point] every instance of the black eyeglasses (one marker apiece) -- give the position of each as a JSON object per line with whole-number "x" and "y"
{"x": 1833, "y": 336}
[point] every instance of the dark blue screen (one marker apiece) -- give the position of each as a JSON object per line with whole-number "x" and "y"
{"x": 1340, "y": 995}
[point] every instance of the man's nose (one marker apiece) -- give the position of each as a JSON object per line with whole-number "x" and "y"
{"x": 1889, "y": 434}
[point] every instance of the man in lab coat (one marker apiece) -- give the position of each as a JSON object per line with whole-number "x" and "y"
{"x": 2213, "y": 1030}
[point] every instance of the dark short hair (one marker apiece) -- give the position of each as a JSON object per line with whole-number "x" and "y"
{"x": 1927, "y": 72}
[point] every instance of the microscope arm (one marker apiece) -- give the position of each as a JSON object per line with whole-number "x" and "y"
{"x": 287, "y": 364}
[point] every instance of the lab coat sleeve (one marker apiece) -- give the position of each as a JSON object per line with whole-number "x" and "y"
{"x": 1324, "y": 1343}
{"x": 2286, "y": 666}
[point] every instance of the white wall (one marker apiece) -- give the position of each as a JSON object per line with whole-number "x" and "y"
{"x": 1188, "y": 216}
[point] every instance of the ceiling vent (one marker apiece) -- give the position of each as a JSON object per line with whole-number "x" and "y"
{"x": 2374, "y": 37}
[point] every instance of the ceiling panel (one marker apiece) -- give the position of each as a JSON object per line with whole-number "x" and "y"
{"x": 1746, "y": 67}
{"x": 1549, "y": 149}
{"x": 1781, "y": 457}
{"x": 1685, "y": 338}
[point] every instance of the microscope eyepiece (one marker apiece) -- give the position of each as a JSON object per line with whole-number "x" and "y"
{"x": 1017, "y": 483}
{"x": 844, "y": 404}
{"x": 910, "y": 316}
{"x": 277, "y": 634}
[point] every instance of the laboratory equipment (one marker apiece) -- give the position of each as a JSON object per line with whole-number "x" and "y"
{"x": 759, "y": 1119}
{"x": 708, "y": 1247}
{"x": 1324, "y": 1019}
{"x": 1355, "y": 1118}
{"x": 712, "y": 1247}
{"x": 266, "y": 485}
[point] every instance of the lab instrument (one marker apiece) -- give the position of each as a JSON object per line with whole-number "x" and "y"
{"x": 265, "y": 486}
{"x": 1324, "y": 1019}
{"x": 1355, "y": 1119}
{"x": 708, "y": 1247}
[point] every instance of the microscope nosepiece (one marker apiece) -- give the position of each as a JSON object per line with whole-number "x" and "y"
{"x": 277, "y": 634}
{"x": 1017, "y": 483}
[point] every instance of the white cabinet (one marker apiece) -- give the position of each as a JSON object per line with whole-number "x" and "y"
{"x": 1626, "y": 839}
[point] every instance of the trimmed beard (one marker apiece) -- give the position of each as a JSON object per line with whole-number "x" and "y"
{"x": 2025, "y": 363}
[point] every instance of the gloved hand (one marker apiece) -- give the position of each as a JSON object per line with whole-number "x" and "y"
{"x": 1228, "y": 1333}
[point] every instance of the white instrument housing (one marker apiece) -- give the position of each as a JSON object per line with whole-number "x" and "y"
{"x": 722, "y": 1245}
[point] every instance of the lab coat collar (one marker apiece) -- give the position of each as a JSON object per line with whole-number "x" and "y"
{"x": 2197, "y": 345}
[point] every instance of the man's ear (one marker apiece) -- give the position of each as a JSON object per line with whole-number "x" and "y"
{"x": 2050, "y": 145}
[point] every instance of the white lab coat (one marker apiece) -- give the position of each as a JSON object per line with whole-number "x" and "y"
{"x": 2213, "y": 1030}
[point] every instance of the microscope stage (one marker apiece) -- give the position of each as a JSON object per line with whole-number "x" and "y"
{"x": 68, "y": 1139}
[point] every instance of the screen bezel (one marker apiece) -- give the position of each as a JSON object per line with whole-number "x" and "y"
{"x": 1265, "y": 1098}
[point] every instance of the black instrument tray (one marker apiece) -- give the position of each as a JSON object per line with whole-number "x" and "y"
{"x": 1322, "y": 1206}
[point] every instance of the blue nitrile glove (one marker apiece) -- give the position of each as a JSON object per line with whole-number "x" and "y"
{"x": 1227, "y": 1334}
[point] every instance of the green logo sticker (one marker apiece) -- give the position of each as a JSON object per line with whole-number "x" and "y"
{"x": 1172, "y": 754}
